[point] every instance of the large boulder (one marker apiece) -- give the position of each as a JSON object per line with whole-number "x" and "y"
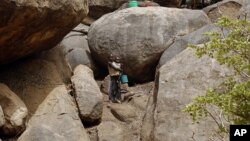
{"x": 56, "y": 119}
{"x": 229, "y": 8}
{"x": 28, "y": 26}
{"x": 15, "y": 112}
{"x": 140, "y": 35}
{"x": 88, "y": 95}
{"x": 178, "y": 82}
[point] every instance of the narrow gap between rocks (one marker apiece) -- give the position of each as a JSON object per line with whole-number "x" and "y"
{"x": 122, "y": 121}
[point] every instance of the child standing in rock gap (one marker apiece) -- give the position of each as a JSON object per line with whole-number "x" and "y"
{"x": 114, "y": 68}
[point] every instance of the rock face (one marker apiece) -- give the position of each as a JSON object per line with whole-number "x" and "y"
{"x": 140, "y": 35}
{"x": 88, "y": 95}
{"x": 246, "y": 2}
{"x": 76, "y": 50}
{"x": 28, "y": 26}
{"x": 104, "y": 86}
{"x": 125, "y": 114}
{"x": 140, "y": 4}
{"x": 2, "y": 120}
{"x": 122, "y": 122}
{"x": 169, "y": 3}
{"x": 178, "y": 81}
{"x": 15, "y": 112}
{"x": 229, "y": 8}
{"x": 97, "y": 8}
{"x": 56, "y": 119}
{"x": 110, "y": 127}
{"x": 245, "y": 11}
{"x": 33, "y": 78}
{"x": 196, "y": 37}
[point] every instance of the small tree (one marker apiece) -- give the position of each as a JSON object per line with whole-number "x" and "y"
{"x": 232, "y": 97}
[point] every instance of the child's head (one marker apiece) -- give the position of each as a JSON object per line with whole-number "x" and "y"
{"x": 111, "y": 57}
{"x": 117, "y": 59}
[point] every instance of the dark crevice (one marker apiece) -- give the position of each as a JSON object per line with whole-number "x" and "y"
{"x": 91, "y": 124}
{"x": 150, "y": 111}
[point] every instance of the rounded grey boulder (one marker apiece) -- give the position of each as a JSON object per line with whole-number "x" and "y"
{"x": 139, "y": 35}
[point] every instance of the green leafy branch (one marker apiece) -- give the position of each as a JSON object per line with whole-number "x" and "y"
{"x": 232, "y": 97}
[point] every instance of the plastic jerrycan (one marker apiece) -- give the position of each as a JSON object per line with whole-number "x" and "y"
{"x": 133, "y": 3}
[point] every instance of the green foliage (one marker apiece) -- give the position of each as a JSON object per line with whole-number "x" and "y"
{"x": 232, "y": 97}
